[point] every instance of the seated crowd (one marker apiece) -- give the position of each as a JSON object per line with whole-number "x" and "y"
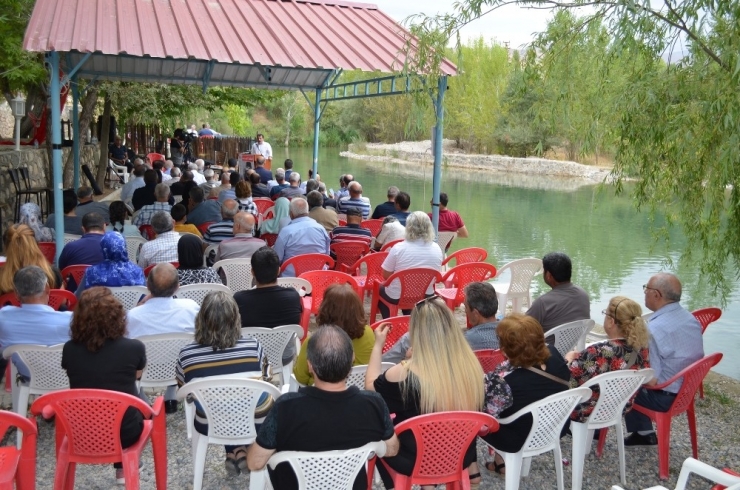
{"x": 434, "y": 368}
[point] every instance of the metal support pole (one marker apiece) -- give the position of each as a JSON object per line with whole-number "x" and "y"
{"x": 52, "y": 59}
{"x": 316, "y": 121}
{"x": 76, "y": 131}
{"x": 437, "y": 173}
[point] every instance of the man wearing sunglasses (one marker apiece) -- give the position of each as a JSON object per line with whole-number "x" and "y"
{"x": 675, "y": 342}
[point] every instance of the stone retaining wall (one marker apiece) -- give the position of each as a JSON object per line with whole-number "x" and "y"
{"x": 37, "y": 162}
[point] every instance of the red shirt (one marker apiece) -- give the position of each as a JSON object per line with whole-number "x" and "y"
{"x": 449, "y": 220}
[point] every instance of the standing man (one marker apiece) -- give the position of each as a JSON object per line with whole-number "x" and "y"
{"x": 449, "y": 220}
{"x": 566, "y": 302}
{"x": 387, "y": 208}
{"x": 301, "y": 236}
{"x": 261, "y": 147}
{"x": 325, "y": 416}
{"x": 675, "y": 342}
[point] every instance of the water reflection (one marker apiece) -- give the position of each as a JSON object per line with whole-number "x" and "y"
{"x": 515, "y": 216}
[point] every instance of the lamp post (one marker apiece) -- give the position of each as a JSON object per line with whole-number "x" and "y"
{"x": 18, "y": 107}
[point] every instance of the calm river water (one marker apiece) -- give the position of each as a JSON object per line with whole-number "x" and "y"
{"x": 515, "y": 216}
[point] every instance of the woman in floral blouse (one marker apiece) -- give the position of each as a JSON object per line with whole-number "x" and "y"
{"x": 625, "y": 348}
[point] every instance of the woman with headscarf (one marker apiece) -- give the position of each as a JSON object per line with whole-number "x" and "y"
{"x": 281, "y": 217}
{"x": 115, "y": 270}
{"x": 190, "y": 256}
{"x": 31, "y": 216}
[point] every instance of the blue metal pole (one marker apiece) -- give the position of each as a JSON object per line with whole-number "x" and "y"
{"x": 316, "y": 121}
{"x": 76, "y": 131}
{"x": 437, "y": 173}
{"x": 56, "y": 149}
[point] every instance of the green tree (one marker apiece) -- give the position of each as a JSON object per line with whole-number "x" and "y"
{"x": 678, "y": 131}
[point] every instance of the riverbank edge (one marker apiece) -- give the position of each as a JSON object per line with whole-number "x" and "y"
{"x": 420, "y": 152}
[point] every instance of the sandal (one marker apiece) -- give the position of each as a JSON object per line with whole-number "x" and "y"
{"x": 240, "y": 458}
{"x": 474, "y": 485}
{"x": 496, "y": 467}
{"x": 231, "y": 466}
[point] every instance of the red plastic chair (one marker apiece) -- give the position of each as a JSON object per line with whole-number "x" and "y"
{"x": 459, "y": 277}
{"x": 373, "y": 270}
{"x": 399, "y": 326}
{"x": 49, "y": 249}
{"x": 76, "y": 272}
{"x": 389, "y": 245}
{"x": 60, "y": 297}
{"x": 705, "y": 317}
{"x": 269, "y": 238}
{"x": 342, "y": 222}
{"x": 374, "y": 225}
{"x": 147, "y": 232}
{"x": 153, "y": 157}
{"x": 263, "y": 204}
{"x": 441, "y": 442}
{"x": 347, "y": 253}
{"x": 9, "y": 299}
{"x": 203, "y": 227}
{"x": 464, "y": 256}
{"x": 467, "y": 255}
{"x": 320, "y": 280}
{"x": 726, "y": 470}
{"x": 88, "y": 424}
{"x": 489, "y": 359}
{"x": 692, "y": 377}
{"x": 307, "y": 263}
{"x": 414, "y": 284}
{"x": 149, "y": 268}
{"x": 18, "y": 465}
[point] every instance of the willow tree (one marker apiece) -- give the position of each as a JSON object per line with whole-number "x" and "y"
{"x": 679, "y": 129}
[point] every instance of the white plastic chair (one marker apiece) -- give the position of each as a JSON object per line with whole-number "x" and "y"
{"x": 69, "y": 238}
{"x": 444, "y": 238}
{"x": 228, "y": 403}
{"x": 357, "y": 375}
{"x": 207, "y": 252}
{"x": 517, "y": 289}
{"x": 119, "y": 171}
{"x": 45, "y": 367}
{"x": 691, "y": 465}
{"x": 327, "y": 469}
{"x": 569, "y": 336}
{"x": 301, "y": 285}
{"x": 615, "y": 390}
{"x": 548, "y": 418}
{"x": 162, "y": 352}
{"x": 197, "y": 292}
{"x": 274, "y": 341}
{"x": 238, "y": 273}
{"x": 129, "y": 296}
{"x": 133, "y": 246}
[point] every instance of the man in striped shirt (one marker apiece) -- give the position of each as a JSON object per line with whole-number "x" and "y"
{"x": 224, "y": 229}
{"x": 352, "y": 232}
{"x": 355, "y": 200}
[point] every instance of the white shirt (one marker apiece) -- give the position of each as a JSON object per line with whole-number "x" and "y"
{"x": 198, "y": 177}
{"x": 411, "y": 255}
{"x": 263, "y": 149}
{"x": 390, "y": 232}
{"x": 162, "y": 315}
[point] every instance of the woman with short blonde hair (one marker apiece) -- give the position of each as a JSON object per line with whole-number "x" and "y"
{"x": 625, "y": 348}
{"x": 443, "y": 375}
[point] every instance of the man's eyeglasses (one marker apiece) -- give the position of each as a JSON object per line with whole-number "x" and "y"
{"x": 428, "y": 299}
{"x": 645, "y": 287}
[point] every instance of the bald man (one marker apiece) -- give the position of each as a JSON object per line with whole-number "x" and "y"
{"x": 243, "y": 245}
{"x": 223, "y": 229}
{"x": 675, "y": 342}
{"x": 355, "y": 200}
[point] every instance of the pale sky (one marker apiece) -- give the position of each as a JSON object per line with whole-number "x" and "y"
{"x": 511, "y": 23}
